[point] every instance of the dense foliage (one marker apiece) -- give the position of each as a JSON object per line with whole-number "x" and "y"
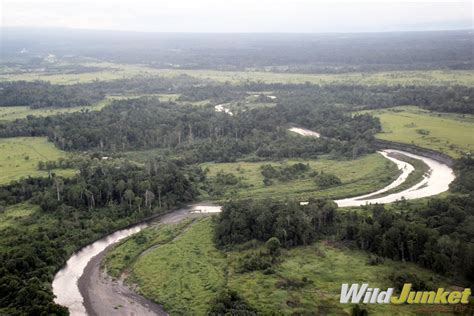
{"x": 201, "y": 132}
{"x": 454, "y": 98}
{"x": 105, "y": 196}
{"x": 228, "y": 302}
{"x": 41, "y": 94}
{"x": 283, "y": 173}
{"x": 438, "y": 235}
{"x": 459, "y": 99}
{"x": 464, "y": 182}
{"x": 291, "y": 223}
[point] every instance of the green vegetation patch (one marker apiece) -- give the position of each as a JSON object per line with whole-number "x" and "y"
{"x": 183, "y": 275}
{"x": 19, "y": 157}
{"x": 429, "y": 77}
{"x": 131, "y": 248}
{"x": 12, "y": 215}
{"x": 113, "y": 71}
{"x": 309, "y": 279}
{"x": 446, "y": 132}
{"x": 359, "y": 176}
{"x": 10, "y": 113}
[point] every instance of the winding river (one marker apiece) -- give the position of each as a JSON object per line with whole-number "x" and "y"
{"x": 82, "y": 287}
{"x": 435, "y": 182}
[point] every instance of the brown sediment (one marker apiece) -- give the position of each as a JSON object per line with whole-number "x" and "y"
{"x": 105, "y": 296}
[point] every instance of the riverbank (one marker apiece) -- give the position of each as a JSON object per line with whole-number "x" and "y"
{"x": 80, "y": 286}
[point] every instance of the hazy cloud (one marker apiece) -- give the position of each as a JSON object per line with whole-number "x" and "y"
{"x": 239, "y": 16}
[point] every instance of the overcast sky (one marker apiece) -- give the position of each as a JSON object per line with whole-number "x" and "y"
{"x": 240, "y": 16}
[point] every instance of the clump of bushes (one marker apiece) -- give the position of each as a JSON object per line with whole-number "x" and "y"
{"x": 375, "y": 260}
{"x": 223, "y": 178}
{"x": 357, "y": 310}
{"x": 399, "y": 278}
{"x": 228, "y": 302}
{"x": 292, "y": 284}
{"x": 283, "y": 174}
{"x": 262, "y": 260}
{"x": 327, "y": 180}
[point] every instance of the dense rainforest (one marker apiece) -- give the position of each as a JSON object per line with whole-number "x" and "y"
{"x": 455, "y": 98}
{"x": 437, "y": 236}
{"x": 41, "y": 94}
{"x": 148, "y": 123}
{"x": 70, "y": 213}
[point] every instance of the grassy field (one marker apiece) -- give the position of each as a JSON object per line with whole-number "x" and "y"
{"x": 189, "y": 269}
{"x": 128, "y": 250}
{"x": 10, "y": 113}
{"x": 15, "y": 213}
{"x": 446, "y": 132}
{"x": 363, "y": 175}
{"x": 185, "y": 274}
{"x": 19, "y": 157}
{"x": 109, "y": 72}
{"x": 17, "y": 217}
{"x": 119, "y": 71}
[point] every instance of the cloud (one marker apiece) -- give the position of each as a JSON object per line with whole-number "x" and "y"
{"x": 239, "y": 16}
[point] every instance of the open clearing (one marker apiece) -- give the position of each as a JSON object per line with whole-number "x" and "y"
{"x": 15, "y": 213}
{"x": 10, "y": 113}
{"x": 119, "y": 71}
{"x": 19, "y": 157}
{"x": 189, "y": 270}
{"x": 359, "y": 176}
{"x": 446, "y": 132}
{"x": 186, "y": 273}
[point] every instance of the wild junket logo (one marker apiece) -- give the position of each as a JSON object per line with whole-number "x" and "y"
{"x": 357, "y": 293}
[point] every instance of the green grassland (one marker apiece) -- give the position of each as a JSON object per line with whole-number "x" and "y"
{"x": 109, "y": 72}
{"x": 446, "y": 132}
{"x": 15, "y": 213}
{"x": 126, "y": 251}
{"x": 10, "y": 113}
{"x": 19, "y": 157}
{"x": 17, "y": 217}
{"x": 113, "y": 71}
{"x": 435, "y": 77}
{"x": 359, "y": 176}
{"x": 186, "y": 273}
{"x": 189, "y": 270}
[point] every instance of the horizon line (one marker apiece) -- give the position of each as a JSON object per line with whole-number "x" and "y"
{"x": 223, "y": 33}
